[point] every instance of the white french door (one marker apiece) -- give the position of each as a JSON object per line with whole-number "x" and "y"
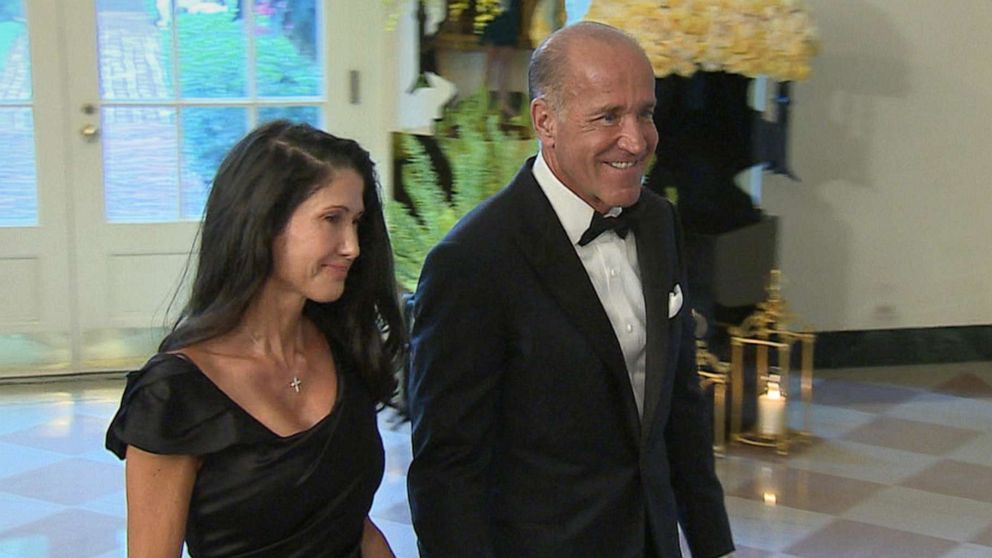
{"x": 114, "y": 115}
{"x": 35, "y": 316}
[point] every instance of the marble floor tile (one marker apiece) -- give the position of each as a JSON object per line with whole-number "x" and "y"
{"x": 102, "y": 455}
{"x": 15, "y": 417}
{"x": 852, "y": 539}
{"x": 827, "y": 421}
{"x": 16, "y": 510}
{"x": 18, "y": 459}
{"x": 911, "y": 436}
{"x": 122, "y": 553}
{"x": 391, "y": 501}
{"x": 771, "y": 528}
{"x": 398, "y": 512}
{"x": 967, "y": 384}
{"x": 897, "y": 452}
{"x": 71, "y": 434}
{"x": 909, "y": 376}
{"x": 985, "y": 537}
{"x": 59, "y": 483}
{"x": 401, "y": 538}
{"x": 110, "y": 504}
{"x": 398, "y": 457}
{"x": 69, "y": 533}
{"x": 977, "y": 451}
{"x": 861, "y": 461}
{"x": 958, "y": 412}
{"x": 969, "y": 551}
{"x": 907, "y": 509}
{"x": 736, "y": 470}
{"x": 807, "y": 490}
{"x": 954, "y": 478}
{"x": 97, "y": 407}
{"x": 869, "y": 398}
{"x": 748, "y": 552}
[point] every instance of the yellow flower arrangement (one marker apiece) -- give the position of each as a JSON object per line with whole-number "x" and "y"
{"x": 775, "y": 38}
{"x": 485, "y": 11}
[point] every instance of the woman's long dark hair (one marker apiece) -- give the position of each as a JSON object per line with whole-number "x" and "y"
{"x": 263, "y": 179}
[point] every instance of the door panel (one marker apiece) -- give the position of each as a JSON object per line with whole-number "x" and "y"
{"x": 106, "y": 160}
{"x": 35, "y": 323}
{"x": 189, "y": 89}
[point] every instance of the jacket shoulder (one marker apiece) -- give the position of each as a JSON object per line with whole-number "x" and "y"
{"x": 494, "y": 219}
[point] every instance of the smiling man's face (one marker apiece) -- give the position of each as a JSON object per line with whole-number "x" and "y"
{"x": 599, "y": 140}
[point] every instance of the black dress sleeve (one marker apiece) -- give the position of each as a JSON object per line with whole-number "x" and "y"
{"x": 170, "y": 407}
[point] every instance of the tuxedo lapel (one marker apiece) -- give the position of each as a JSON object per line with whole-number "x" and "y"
{"x": 651, "y": 231}
{"x": 547, "y": 248}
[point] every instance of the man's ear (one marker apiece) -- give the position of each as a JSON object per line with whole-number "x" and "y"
{"x": 544, "y": 119}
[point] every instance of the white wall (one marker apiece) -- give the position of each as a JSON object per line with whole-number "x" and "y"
{"x": 370, "y": 49}
{"x": 891, "y": 225}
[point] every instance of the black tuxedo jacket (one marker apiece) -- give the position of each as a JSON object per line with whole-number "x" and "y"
{"x": 526, "y": 437}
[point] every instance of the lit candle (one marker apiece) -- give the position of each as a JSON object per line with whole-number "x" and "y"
{"x": 771, "y": 411}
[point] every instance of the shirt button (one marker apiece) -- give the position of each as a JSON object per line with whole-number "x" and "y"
{"x": 613, "y": 272}
{"x": 630, "y": 328}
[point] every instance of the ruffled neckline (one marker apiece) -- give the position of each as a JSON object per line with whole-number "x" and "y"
{"x": 241, "y": 411}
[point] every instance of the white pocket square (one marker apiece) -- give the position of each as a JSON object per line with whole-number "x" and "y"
{"x": 674, "y": 301}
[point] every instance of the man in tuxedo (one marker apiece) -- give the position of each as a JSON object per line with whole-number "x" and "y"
{"x": 555, "y": 403}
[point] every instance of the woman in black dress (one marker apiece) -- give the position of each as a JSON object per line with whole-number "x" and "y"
{"x": 253, "y": 431}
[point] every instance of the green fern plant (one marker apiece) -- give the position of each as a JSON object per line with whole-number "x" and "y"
{"x": 483, "y": 158}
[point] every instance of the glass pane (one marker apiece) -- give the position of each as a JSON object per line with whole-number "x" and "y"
{"x": 287, "y": 49}
{"x": 140, "y": 162}
{"x": 212, "y": 50}
{"x": 15, "y": 59}
{"x": 208, "y": 134}
{"x": 135, "y": 44}
{"x": 18, "y": 190}
{"x": 575, "y": 10}
{"x": 310, "y": 115}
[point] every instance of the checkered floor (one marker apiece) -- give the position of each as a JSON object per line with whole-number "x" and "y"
{"x": 900, "y": 466}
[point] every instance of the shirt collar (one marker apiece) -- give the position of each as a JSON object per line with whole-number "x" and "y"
{"x": 573, "y": 213}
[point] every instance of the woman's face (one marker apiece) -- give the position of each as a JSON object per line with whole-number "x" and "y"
{"x": 313, "y": 253}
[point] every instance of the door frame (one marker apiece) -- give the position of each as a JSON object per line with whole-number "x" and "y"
{"x": 73, "y": 241}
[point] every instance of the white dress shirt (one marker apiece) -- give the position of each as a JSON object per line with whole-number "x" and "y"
{"x": 611, "y": 263}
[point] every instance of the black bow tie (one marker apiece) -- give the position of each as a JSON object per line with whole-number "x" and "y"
{"x": 600, "y": 223}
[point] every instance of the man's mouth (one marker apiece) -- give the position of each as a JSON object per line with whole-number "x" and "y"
{"x": 622, "y": 165}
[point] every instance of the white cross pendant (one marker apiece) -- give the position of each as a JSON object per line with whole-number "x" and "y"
{"x": 295, "y": 384}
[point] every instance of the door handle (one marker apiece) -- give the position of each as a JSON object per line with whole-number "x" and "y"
{"x": 89, "y": 132}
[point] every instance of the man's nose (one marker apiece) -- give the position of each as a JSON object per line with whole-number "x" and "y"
{"x": 633, "y": 138}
